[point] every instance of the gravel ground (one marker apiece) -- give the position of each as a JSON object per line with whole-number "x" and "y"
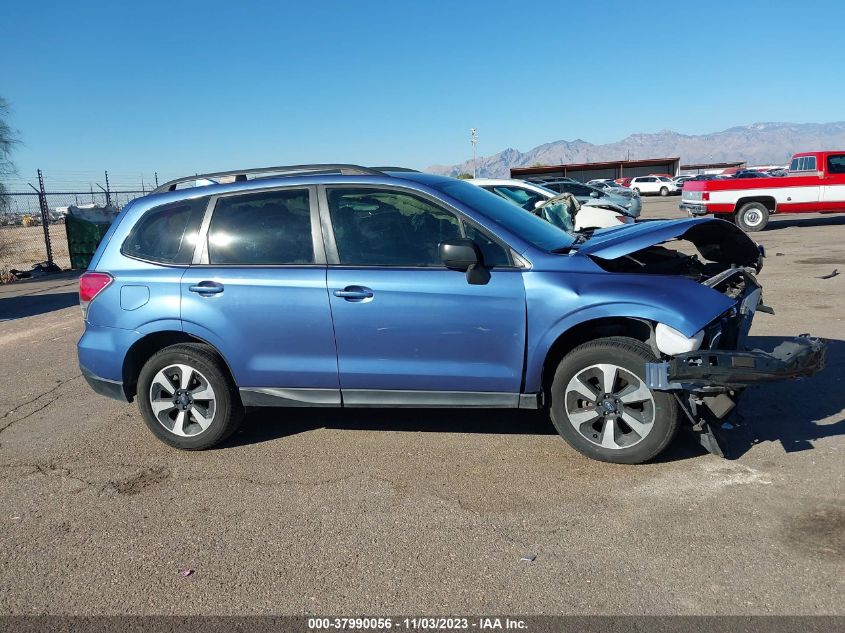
{"x": 390, "y": 512}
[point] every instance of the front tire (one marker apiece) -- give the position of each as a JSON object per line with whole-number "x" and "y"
{"x": 752, "y": 217}
{"x": 187, "y": 399}
{"x": 601, "y": 406}
{"x": 664, "y": 191}
{"x": 636, "y": 190}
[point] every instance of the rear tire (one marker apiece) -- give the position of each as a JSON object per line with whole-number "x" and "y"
{"x": 752, "y": 217}
{"x": 664, "y": 191}
{"x": 602, "y": 408}
{"x": 636, "y": 190}
{"x": 187, "y": 399}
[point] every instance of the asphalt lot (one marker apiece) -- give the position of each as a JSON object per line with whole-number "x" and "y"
{"x": 402, "y": 512}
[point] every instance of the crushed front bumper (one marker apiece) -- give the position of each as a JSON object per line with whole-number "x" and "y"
{"x": 712, "y": 371}
{"x": 707, "y": 383}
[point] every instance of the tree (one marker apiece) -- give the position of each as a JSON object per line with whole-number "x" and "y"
{"x": 7, "y": 143}
{"x": 464, "y": 176}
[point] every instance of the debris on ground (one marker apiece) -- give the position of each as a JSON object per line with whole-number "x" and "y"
{"x": 186, "y": 572}
{"x": 528, "y": 558}
{"x": 831, "y": 275}
{"x": 39, "y": 270}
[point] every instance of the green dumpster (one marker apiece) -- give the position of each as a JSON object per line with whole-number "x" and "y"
{"x": 85, "y": 227}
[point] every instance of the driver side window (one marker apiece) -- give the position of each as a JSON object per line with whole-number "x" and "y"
{"x": 375, "y": 227}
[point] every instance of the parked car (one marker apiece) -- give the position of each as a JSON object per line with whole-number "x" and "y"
{"x": 542, "y": 179}
{"x": 777, "y": 171}
{"x": 625, "y": 198}
{"x": 661, "y": 185}
{"x": 594, "y": 213}
{"x": 610, "y": 186}
{"x": 625, "y": 182}
{"x": 341, "y": 285}
{"x": 680, "y": 180}
{"x": 750, "y": 173}
{"x": 815, "y": 184}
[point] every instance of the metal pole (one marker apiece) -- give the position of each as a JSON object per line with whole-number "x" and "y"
{"x": 156, "y": 173}
{"x": 105, "y": 191}
{"x": 473, "y": 138}
{"x": 108, "y": 193}
{"x": 45, "y": 218}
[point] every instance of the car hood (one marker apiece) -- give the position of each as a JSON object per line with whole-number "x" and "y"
{"x": 717, "y": 240}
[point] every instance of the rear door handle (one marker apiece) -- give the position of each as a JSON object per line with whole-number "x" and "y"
{"x": 207, "y": 288}
{"x": 354, "y": 293}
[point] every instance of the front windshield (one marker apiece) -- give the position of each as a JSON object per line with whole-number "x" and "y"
{"x": 523, "y": 224}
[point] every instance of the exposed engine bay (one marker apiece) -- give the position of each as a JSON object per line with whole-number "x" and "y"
{"x": 716, "y": 251}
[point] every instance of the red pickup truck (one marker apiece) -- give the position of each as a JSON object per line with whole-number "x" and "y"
{"x": 815, "y": 183}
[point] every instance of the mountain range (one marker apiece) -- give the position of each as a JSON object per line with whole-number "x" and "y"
{"x": 756, "y": 144}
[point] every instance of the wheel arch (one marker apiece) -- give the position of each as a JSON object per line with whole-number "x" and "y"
{"x": 768, "y": 201}
{"x": 634, "y": 327}
{"x": 143, "y": 349}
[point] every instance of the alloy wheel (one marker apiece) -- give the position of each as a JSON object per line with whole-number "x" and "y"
{"x": 182, "y": 400}
{"x": 609, "y": 406}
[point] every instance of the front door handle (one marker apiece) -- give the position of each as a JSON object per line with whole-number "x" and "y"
{"x": 354, "y": 293}
{"x": 207, "y": 288}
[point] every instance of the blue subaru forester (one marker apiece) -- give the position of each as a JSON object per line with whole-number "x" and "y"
{"x": 341, "y": 285}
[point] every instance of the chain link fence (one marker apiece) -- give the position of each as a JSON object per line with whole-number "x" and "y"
{"x": 32, "y": 225}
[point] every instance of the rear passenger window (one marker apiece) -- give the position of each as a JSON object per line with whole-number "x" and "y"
{"x": 168, "y": 233}
{"x": 267, "y": 228}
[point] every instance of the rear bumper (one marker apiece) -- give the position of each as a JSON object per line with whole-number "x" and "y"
{"x": 104, "y": 386}
{"x": 693, "y": 208}
{"x": 713, "y": 371}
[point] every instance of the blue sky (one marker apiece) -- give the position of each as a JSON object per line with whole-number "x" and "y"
{"x": 181, "y": 87}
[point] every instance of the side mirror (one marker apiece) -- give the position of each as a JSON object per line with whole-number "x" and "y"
{"x": 459, "y": 254}
{"x": 464, "y": 254}
{"x": 539, "y": 204}
{"x": 595, "y": 194}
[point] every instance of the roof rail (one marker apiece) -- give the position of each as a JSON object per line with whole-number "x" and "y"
{"x": 393, "y": 168}
{"x": 284, "y": 170}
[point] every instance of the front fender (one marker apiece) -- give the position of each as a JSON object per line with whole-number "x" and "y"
{"x": 558, "y": 302}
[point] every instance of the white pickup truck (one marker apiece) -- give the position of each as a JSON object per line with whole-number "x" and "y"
{"x": 815, "y": 183}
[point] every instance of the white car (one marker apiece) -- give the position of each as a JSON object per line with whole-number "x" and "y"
{"x": 662, "y": 185}
{"x": 529, "y": 195}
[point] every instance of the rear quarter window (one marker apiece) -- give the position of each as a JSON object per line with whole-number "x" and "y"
{"x": 167, "y": 233}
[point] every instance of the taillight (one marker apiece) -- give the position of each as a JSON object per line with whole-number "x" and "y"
{"x": 90, "y": 285}
{"x": 705, "y": 195}
{"x": 622, "y": 218}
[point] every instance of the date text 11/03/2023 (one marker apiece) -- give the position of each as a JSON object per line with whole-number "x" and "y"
{"x": 416, "y": 624}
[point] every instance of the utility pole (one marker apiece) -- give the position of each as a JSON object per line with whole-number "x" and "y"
{"x": 473, "y": 138}
{"x": 108, "y": 193}
{"x": 156, "y": 173}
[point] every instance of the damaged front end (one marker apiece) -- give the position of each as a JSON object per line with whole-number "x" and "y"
{"x": 708, "y": 380}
